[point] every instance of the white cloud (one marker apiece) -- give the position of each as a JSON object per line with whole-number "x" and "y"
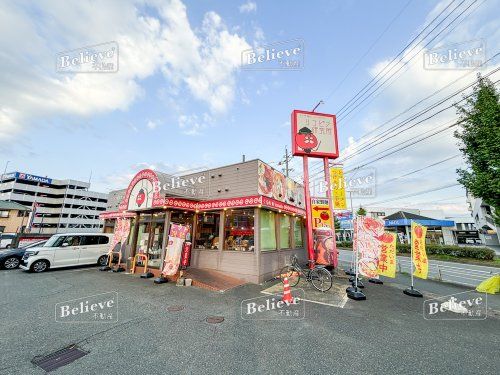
{"x": 194, "y": 124}
{"x": 203, "y": 60}
{"x": 152, "y": 125}
{"x": 248, "y": 7}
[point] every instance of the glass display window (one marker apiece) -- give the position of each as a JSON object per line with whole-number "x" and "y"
{"x": 239, "y": 230}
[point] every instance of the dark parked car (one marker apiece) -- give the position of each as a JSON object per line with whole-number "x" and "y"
{"x": 11, "y": 258}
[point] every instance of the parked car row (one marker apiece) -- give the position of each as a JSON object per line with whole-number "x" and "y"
{"x": 60, "y": 250}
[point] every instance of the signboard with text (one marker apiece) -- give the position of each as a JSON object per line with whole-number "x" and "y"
{"x": 338, "y": 184}
{"x": 314, "y": 134}
{"x": 321, "y": 215}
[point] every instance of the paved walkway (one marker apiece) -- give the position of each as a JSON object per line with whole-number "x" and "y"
{"x": 459, "y": 273}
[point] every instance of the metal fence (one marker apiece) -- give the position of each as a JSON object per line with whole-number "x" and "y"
{"x": 469, "y": 275}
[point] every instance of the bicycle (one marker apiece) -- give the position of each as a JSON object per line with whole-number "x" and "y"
{"x": 318, "y": 276}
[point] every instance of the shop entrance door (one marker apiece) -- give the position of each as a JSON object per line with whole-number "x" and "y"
{"x": 183, "y": 218}
{"x": 150, "y": 238}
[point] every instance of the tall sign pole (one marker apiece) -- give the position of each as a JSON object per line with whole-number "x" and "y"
{"x": 314, "y": 135}
{"x": 329, "y": 195}
{"x": 307, "y": 194}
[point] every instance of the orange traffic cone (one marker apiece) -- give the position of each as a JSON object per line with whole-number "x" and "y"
{"x": 287, "y": 294}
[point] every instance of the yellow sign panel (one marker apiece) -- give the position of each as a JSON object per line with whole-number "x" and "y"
{"x": 387, "y": 259}
{"x": 321, "y": 215}
{"x": 418, "y": 250}
{"x": 338, "y": 184}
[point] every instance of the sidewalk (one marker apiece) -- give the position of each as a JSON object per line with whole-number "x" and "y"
{"x": 469, "y": 275}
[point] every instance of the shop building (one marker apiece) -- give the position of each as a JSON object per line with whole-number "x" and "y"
{"x": 465, "y": 231}
{"x": 439, "y": 232}
{"x": 245, "y": 220}
{"x": 58, "y": 205}
{"x": 483, "y": 215}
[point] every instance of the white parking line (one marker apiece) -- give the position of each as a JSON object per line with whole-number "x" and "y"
{"x": 340, "y": 305}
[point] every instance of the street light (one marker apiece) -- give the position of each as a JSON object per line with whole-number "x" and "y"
{"x": 5, "y": 169}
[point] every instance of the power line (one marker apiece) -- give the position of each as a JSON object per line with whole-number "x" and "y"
{"x": 415, "y": 194}
{"x": 404, "y": 147}
{"x": 420, "y": 169}
{"x": 406, "y": 62}
{"x": 369, "y": 50}
{"x": 422, "y": 100}
{"x": 369, "y": 143}
{"x": 403, "y": 123}
{"x": 394, "y": 59}
{"x": 392, "y": 81}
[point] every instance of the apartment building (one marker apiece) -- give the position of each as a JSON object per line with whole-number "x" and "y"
{"x": 58, "y": 205}
{"x": 13, "y": 217}
{"x": 482, "y": 214}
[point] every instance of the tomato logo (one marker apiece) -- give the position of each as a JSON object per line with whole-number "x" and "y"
{"x": 419, "y": 232}
{"x": 386, "y": 237}
{"x": 324, "y": 216}
{"x": 141, "y": 197}
{"x": 306, "y": 140}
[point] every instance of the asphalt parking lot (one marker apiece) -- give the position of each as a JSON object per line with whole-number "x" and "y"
{"x": 386, "y": 334}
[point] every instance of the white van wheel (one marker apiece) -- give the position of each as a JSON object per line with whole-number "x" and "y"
{"x": 103, "y": 260}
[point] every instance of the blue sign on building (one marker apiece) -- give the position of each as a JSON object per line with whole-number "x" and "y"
{"x": 30, "y": 177}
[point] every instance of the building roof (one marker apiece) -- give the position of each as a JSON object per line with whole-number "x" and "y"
{"x": 8, "y": 205}
{"x": 406, "y": 215}
{"x": 402, "y": 218}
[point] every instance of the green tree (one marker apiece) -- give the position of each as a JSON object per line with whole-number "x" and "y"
{"x": 480, "y": 144}
{"x": 361, "y": 212}
{"x": 336, "y": 223}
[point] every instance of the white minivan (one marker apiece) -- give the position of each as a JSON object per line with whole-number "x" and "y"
{"x": 68, "y": 249}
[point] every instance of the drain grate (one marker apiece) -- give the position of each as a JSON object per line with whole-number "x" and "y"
{"x": 175, "y": 308}
{"x": 58, "y": 359}
{"x": 215, "y": 319}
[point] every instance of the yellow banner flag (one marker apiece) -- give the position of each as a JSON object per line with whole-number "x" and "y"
{"x": 387, "y": 259}
{"x": 338, "y": 183}
{"x": 418, "y": 250}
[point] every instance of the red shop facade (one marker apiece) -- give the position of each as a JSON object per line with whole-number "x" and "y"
{"x": 245, "y": 220}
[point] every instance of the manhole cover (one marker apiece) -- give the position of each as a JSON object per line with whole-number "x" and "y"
{"x": 215, "y": 319}
{"x": 175, "y": 308}
{"x": 58, "y": 359}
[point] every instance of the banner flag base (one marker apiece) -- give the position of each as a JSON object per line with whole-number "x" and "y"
{"x": 375, "y": 281}
{"x": 355, "y": 294}
{"x": 360, "y": 284}
{"x": 349, "y": 273}
{"x": 351, "y": 279}
{"x": 160, "y": 280}
{"x": 412, "y": 292}
{"x": 147, "y": 275}
{"x": 105, "y": 268}
{"x": 119, "y": 269}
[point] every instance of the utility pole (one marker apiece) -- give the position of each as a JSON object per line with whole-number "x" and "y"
{"x": 286, "y": 159}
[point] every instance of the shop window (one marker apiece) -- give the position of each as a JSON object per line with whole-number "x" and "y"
{"x": 285, "y": 232}
{"x": 267, "y": 230}
{"x": 239, "y": 230}
{"x": 297, "y": 232}
{"x": 207, "y": 231}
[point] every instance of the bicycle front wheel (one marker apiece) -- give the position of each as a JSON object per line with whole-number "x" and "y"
{"x": 321, "y": 279}
{"x": 291, "y": 274}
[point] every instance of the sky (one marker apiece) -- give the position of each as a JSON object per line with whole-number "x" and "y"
{"x": 180, "y": 99}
